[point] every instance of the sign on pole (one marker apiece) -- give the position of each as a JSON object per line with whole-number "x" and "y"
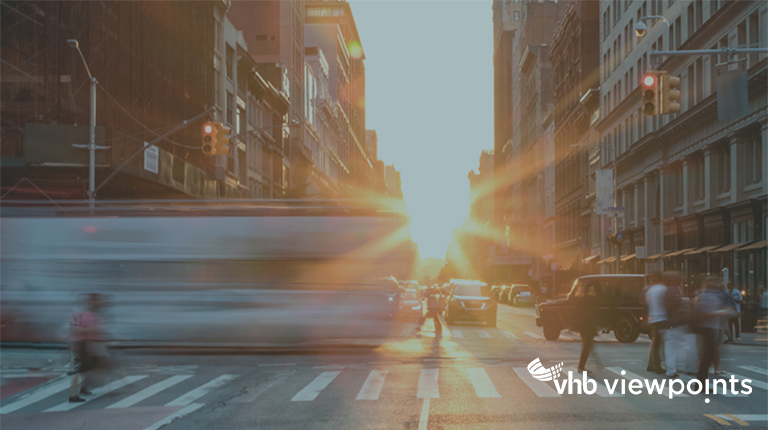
{"x": 640, "y": 252}
{"x": 603, "y": 191}
{"x": 151, "y": 158}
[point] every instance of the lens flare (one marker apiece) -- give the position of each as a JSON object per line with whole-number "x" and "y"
{"x": 355, "y": 49}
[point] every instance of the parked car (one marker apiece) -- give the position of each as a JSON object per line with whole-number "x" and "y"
{"x": 619, "y": 307}
{"x": 521, "y": 295}
{"x": 470, "y": 301}
{"x": 504, "y": 294}
{"x": 495, "y": 290}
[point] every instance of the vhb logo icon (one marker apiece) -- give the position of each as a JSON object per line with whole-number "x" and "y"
{"x": 542, "y": 373}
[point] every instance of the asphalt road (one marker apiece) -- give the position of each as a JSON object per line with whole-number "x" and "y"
{"x": 472, "y": 378}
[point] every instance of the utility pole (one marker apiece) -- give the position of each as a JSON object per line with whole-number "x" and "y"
{"x": 92, "y": 142}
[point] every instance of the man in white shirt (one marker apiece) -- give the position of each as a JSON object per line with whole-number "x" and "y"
{"x": 733, "y": 322}
{"x": 654, "y": 298}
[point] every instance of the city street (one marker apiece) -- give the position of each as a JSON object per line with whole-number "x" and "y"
{"x": 474, "y": 377}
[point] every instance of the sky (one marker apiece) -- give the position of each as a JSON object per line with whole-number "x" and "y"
{"x": 429, "y": 96}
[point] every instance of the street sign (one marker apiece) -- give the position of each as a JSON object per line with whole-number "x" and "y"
{"x": 640, "y": 252}
{"x": 619, "y": 236}
{"x": 604, "y": 191}
{"x": 615, "y": 212}
{"x": 151, "y": 159}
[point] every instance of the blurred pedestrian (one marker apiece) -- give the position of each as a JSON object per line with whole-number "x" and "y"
{"x": 709, "y": 309}
{"x": 587, "y": 307}
{"x": 85, "y": 332}
{"x": 433, "y": 309}
{"x": 673, "y": 329}
{"x": 763, "y": 299}
{"x": 733, "y": 322}
{"x": 656, "y": 318}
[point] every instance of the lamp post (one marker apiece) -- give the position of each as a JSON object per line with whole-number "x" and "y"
{"x": 92, "y": 143}
{"x": 615, "y": 215}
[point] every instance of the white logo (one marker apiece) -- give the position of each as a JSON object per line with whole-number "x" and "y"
{"x": 542, "y": 373}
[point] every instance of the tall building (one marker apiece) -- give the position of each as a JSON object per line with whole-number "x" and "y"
{"x": 693, "y": 184}
{"x": 394, "y": 184}
{"x": 330, "y": 26}
{"x": 149, "y": 81}
{"x": 529, "y": 229}
{"x": 575, "y": 63}
{"x": 273, "y": 30}
{"x": 506, "y": 21}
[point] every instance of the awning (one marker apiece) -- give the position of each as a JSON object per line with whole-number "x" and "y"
{"x": 702, "y": 250}
{"x": 728, "y": 248}
{"x": 628, "y": 257}
{"x": 757, "y": 245}
{"x": 566, "y": 262}
{"x": 591, "y": 258}
{"x": 607, "y": 260}
{"x": 654, "y": 257}
{"x": 677, "y": 253}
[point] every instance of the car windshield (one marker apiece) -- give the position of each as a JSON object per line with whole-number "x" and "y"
{"x": 472, "y": 290}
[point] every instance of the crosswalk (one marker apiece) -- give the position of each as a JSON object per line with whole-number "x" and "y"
{"x": 363, "y": 383}
{"x": 469, "y": 333}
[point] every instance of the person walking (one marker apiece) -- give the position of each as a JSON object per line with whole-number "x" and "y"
{"x": 709, "y": 309}
{"x": 734, "y": 327}
{"x": 433, "y": 310}
{"x": 763, "y": 299}
{"x": 656, "y": 320}
{"x": 674, "y": 330}
{"x": 587, "y": 305}
{"x": 85, "y": 331}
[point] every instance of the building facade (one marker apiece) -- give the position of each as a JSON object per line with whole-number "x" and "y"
{"x": 693, "y": 185}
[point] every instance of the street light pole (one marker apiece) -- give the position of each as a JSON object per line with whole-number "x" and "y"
{"x": 73, "y": 43}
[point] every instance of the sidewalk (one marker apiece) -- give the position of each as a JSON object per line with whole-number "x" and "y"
{"x": 759, "y": 339}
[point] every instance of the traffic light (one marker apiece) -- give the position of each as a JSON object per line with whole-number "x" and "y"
{"x": 669, "y": 93}
{"x": 649, "y": 85}
{"x": 210, "y": 131}
{"x": 223, "y": 135}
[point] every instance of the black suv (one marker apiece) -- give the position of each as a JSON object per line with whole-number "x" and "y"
{"x": 619, "y": 307}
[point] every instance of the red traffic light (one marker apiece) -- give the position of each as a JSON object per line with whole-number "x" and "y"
{"x": 649, "y": 80}
{"x": 208, "y": 128}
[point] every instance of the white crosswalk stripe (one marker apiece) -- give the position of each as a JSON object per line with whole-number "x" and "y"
{"x": 428, "y": 388}
{"x": 755, "y": 369}
{"x": 98, "y": 392}
{"x": 509, "y": 335}
{"x": 482, "y": 383}
{"x": 727, "y": 393}
{"x": 542, "y": 389}
{"x": 149, "y": 392}
{"x": 311, "y": 391}
{"x": 373, "y": 385}
{"x": 200, "y": 391}
{"x": 36, "y": 396}
{"x": 484, "y": 334}
{"x": 406, "y": 332}
{"x": 456, "y": 333}
{"x": 756, "y": 384}
{"x": 533, "y": 335}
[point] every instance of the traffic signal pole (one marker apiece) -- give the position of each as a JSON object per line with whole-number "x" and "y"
{"x": 725, "y": 51}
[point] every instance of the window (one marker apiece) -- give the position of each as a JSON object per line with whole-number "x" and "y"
{"x": 678, "y": 32}
{"x": 229, "y": 107}
{"x": 517, "y": 16}
{"x": 724, "y": 168}
{"x": 230, "y": 61}
{"x": 754, "y": 160}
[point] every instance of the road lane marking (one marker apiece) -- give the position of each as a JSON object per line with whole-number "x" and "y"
{"x": 542, "y": 389}
{"x": 718, "y": 419}
{"x": 170, "y": 418}
{"x": 533, "y": 335}
{"x": 36, "y": 396}
{"x": 509, "y": 335}
{"x": 755, "y": 369}
{"x": 571, "y": 336}
{"x": 311, "y": 391}
{"x": 739, "y": 421}
{"x": 406, "y": 332}
{"x": 424, "y": 417}
{"x": 745, "y": 417}
{"x": 373, "y": 384}
{"x": 428, "y": 388}
{"x": 149, "y": 392}
{"x": 484, "y": 334}
{"x": 98, "y": 392}
{"x": 482, "y": 383}
{"x": 629, "y": 375}
{"x": 602, "y": 391}
{"x": 757, "y": 384}
{"x": 200, "y": 391}
{"x": 277, "y": 364}
{"x": 260, "y": 389}
{"x": 456, "y": 333}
